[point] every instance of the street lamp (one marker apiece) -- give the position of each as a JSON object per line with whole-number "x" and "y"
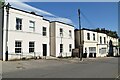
{"x": 80, "y": 46}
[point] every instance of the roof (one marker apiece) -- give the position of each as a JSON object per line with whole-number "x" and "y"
{"x": 46, "y": 19}
{"x": 95, "y": 31}
{"x": 63, "y": 23}
{"x": 39, "y": 16}
{"x": 85, "y": 29}
{"x": 26, "y": 11}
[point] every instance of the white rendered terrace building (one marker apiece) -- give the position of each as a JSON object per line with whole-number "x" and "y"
{"x": 88, "y": 41}
{"x": 115, "y": 42}
{"x": 95, "y": 44}
{"x": 102, "y": 44}
{"x": 23, "y": 34}
{"x": 61, "y": 39}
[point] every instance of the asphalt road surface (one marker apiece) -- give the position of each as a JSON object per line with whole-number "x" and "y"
{"x": 96, "y": 68}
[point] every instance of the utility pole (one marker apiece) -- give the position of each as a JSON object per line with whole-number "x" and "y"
{"x": 61, "y": 35}
{"x": 80, "y": 46}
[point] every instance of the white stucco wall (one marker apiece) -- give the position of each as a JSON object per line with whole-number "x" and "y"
{"x": 66, "y": 39}
{"x": 25, "y": 35}
{"x": 115, "y": 42}
{"x": 102, "y": 45}
{"x": 89, "y": 43}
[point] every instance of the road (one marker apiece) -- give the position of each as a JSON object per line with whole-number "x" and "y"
{"x": 96, "y": 68}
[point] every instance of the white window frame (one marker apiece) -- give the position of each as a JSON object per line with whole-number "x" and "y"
{"x": 93, "y": 36}
{"x": 61, "y": 32}
{"x": 61, "y": 48}
{"x": 32, "y": 25}
{"x": 44, "y": 32}
{"x": 88, "y": 36}
{"x": 100, "y": 40}
{"x": 31, "y": 47}
{"x": 19, "y": 24}
{"x": 18, "y": 46}
{"x": 70, "y": 47}
{"x": 104, "y": 40}
{"x": 70, "y": 33}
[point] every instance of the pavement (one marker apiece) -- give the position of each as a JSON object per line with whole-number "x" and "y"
{"x": 61, "y": 68}
{"x": 76, "y": 59}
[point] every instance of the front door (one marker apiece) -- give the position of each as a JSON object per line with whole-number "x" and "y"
{"x": 44, "y": 49}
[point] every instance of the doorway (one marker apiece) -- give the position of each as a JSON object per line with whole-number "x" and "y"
{"x": 44, "y": 49}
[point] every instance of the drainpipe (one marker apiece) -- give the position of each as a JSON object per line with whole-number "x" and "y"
{"x": 7, "y": 24}
{"x": 2, "y": 24}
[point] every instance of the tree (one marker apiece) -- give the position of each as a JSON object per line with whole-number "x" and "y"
{"x": 2, "y": 2}
{"x": 108, "y": 32}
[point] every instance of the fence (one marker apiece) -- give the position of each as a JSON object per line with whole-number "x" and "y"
{"x": 24, "y": 55}
{"x": 65, "y": 54}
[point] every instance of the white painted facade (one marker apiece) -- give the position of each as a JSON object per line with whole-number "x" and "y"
{"x": 102, "y": 45}
{"x": 89, "y": 46}
{"x": 25, "y": 35}
{"x": 56, "y": 39}
{"x": 98, "y": 45}
{"x": 115, "y": 42}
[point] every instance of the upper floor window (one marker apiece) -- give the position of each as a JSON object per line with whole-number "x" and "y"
{"x": 18, "y": 24}
{"x": 32, "y": 25}
{"x": 18, "y": 46}
{"x": 100, "y": 40}
{"x": 104, "y": 40}
{"x": 44, "y": 31}
{"x": 93, "y": 36}
{"x": 70, "y": 33}
{"x": 88, "y": 36}
{"x": 61, "y": 32}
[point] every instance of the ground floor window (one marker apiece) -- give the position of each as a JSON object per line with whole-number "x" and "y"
{"x": 102, "y": 50}
{"x": 31, "y": 47}
{"x": 70, "y": 47}
{"x": 18, "y": 46}
{"x": 92, "y": 49}
{"x": 61, "y": 48}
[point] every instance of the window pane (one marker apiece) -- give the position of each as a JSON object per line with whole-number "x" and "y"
{"x": 44, "y": 28}
{"x": 17, "y": 50}
{"x": 32, "y": 24}
{"x": 93, "y": 36}
{"x": 61, "y": 32}
{"x": 18, "y": 24}
{"x": 31, "y": 50}
{"x": 88, "y": 36}
{"x": 44, "y": 31}
{"x": 70, "y": 47}
{"x": 17, "y": 44}
{"x": 61, "y": 48}
{"x": 104, "y": 40}
{"x": 31, "y": 47}
{"x": 70, "y": 33}
{"x": 100, "y": 40}
{"x": 31, "y": 44}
